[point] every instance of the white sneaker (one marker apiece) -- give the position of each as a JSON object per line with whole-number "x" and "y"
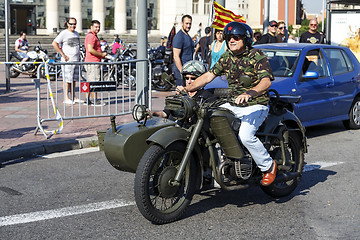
{"x": 97, "y": 103}
{"x": 78, "y": 101}
{"x": 68, "y": 102}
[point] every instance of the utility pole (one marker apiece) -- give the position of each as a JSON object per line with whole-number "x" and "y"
{"x": 142, "y": 73}
{"x": 7, "y": 55}
{"x": 286, "y": 19}
{"x": 266, "y": 16}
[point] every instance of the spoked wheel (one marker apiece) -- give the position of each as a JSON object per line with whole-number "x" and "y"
{"x": 294, "y": 163}
{"x": 156, "y": 199}
{"x": 354, "y": 116}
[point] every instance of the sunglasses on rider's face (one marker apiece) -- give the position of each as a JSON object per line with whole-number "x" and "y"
{"x": 72, "y": 24}
{"x": 281, "y": 28}
{"x": 235, "y": 37}
{"x": 313, "y": 25}
{"x": 190, "y": 78}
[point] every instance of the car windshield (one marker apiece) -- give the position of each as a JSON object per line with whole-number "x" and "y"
{"x": 283, "y": 62}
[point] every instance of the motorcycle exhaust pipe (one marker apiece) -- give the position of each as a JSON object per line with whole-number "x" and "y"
{"x": 286, "y": 177}
{"x": 227, "y": 187}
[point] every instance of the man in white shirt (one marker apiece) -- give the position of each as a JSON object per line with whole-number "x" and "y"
{"x": 70, "y": 52}
{"x": 22, "y": 47}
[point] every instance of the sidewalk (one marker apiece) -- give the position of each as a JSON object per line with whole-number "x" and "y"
{"x": 18, "y": 111}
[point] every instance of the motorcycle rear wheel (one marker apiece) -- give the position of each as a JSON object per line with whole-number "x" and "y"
{"x": 13, "y": 72}
{"x": 295, "y": 163}
{"x": 157, "y": 201}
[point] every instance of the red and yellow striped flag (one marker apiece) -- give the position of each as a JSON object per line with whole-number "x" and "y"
{"x": 224, "y": 16}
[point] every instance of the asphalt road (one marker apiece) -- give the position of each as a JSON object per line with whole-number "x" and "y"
{"x": 81, "y": 196}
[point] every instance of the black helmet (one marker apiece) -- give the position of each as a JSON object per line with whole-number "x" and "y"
{"x": 239, "y": 29}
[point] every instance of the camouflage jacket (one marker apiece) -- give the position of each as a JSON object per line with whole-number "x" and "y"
{"x": 252, "y": 63}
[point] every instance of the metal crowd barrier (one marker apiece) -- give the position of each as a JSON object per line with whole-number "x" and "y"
{"x": 116, "y": 92}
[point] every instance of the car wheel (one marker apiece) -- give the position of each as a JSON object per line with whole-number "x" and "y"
{"x": 354, "y": 116}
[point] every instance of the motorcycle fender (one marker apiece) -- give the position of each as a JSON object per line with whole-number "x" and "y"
{"x": 166, "y": 136}
{"x": 291, "y": 121}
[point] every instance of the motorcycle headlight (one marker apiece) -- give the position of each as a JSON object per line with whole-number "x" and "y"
{"x": 139, "y": 112}
{"x": 180, "y": 106}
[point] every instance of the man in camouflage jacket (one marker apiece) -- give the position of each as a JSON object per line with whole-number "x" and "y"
{"x": 249, "y": 75}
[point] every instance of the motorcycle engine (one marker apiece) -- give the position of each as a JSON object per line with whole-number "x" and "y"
{"x": 234, "y": 169}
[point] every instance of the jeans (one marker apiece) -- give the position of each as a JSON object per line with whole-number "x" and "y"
{"x": 177, "y": 75}
{"x": 251, "y": 119}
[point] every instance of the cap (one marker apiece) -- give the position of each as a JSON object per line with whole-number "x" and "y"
{"x": 273, "y": 23}
{"x": 116, "y": 35}
{"x": 163, "y": 37}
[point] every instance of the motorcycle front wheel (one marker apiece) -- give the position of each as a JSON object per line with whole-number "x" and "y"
{"x": 156, "y": 199}
{"x": 294, "y": 163}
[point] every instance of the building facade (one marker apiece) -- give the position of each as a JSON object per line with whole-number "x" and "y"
{"x": 120, "y": 16}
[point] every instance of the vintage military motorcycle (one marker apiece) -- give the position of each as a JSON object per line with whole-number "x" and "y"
{"x": 174, "y": 159}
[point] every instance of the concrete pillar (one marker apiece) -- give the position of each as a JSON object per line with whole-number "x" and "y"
{"x": 75, "y": 11}
{"x": 120, "y": 16}
{"x": 98, "y": 13}
{"x": 52, "y": 15}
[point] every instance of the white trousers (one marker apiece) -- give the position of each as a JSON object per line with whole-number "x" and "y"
{"x": 251, "y": 119}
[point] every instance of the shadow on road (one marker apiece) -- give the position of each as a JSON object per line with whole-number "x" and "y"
{"x": 217, "y": 198}
{"x": 325, "y": 129}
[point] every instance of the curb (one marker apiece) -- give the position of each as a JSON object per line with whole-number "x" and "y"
{"x": 47, "y": 148}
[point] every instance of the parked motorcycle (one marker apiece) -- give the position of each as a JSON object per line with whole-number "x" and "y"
{"x": 162, "y": 78}
{"x": 36, "y": 57}
{"x": 174, "y": 159}
{"x": 123, "y": 73}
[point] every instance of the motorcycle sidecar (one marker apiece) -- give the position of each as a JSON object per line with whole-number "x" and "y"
{"x": 124, "y": 147}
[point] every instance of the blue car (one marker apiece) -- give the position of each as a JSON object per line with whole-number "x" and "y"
{"x": 326, "y": 77}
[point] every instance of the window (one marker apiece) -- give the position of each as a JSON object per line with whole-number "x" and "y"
{"x": 195, "y": 7}
{"x": 207, "y": 7}
{"x": 66, "y": 9}
{"x": 339, "y": 61}
{"x": 282, "y": 62}
{"x": 315, "y": 62}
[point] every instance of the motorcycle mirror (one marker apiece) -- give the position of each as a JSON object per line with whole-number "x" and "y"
{"x": 245, "y": 80}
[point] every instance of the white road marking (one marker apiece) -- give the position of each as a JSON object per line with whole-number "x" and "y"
{"x": 71, "y": 152}
{"x": 319, "y": 165}
{"x": 62, "y": 212}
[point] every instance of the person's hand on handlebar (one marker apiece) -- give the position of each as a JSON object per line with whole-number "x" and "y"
{"x": 180, "y": 90}
{"x": 244, "y": 98}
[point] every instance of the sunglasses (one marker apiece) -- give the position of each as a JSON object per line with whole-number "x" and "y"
{"x": 235, "y": 37}
{"x": 190, "y": 78}
{"x": 313, "y": 25}
{"x": 273, "y": 25}
{"x": 281, "y": 28}
{"x": 72, "y": 24}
